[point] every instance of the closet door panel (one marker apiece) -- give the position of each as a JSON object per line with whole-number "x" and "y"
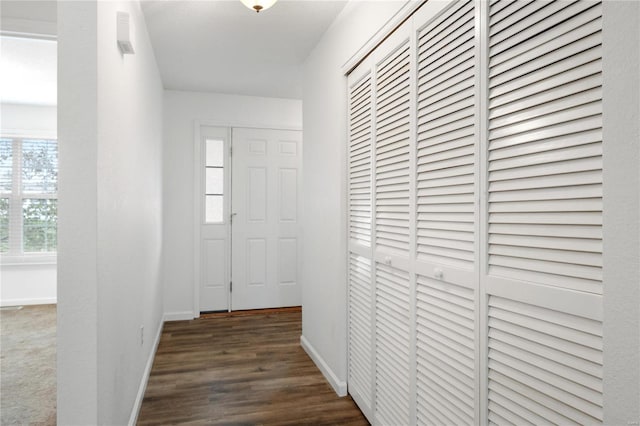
{"x": 446, "y": 150}
{"x": 544, "y": 213}
{"x": 545, "y": 153}
{"x": 393, "y": 346}
{"x": 360, "y": 160}
{"x": 445, "y": 353}
{"x": 446, "y": 206}
{"x": 361, "y": 309}
{"x": 544, "y": 364}
{"x": 361, "y": 343}
{"x": 392, "y": 148}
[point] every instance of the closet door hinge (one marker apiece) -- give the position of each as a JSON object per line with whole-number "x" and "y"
{"x": 230, "y": 286}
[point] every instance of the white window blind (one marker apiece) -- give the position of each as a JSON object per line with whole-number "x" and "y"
{"x": 28, "y": 197}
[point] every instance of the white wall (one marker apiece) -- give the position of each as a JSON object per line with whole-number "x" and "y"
{"x": 324, "y": 272}
{"x": 621, "y": 213}
{"x": 27, "y": 283}
{"x": 181, "y": 111}
{"x": 110, "y": 215}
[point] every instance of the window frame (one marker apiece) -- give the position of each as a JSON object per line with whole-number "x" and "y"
{"x": 225, "y": 172}
{"x": 16, "y": 254}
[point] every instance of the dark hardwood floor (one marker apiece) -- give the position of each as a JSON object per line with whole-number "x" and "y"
{"x": 240, "y": 370}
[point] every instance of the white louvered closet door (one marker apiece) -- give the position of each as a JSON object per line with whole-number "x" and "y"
{"x": 544, "y": 221}
{"x": 446, "y": 215}
{"x": 392, "y": 228}
{"x": 361, "y": 286}
{"x": 475, "y": 217}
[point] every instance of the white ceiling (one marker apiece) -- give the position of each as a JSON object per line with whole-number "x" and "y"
{"x": 221, "y": 46}
{"x": 200, "y": 45}
{"x": 28, "y": 65}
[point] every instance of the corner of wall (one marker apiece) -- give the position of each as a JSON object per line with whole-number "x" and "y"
{"x": 339, "y": 386}
{"x": 133, "y": 418}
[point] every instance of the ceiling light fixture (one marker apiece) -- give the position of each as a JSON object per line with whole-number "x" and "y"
{"x": 258, "y": 5}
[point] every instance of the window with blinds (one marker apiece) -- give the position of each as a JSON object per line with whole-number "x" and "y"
{"x": 28, "y": 196}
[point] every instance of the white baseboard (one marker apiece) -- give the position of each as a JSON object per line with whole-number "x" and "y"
{"x": 178, "y": 316}
{"x": 339, "y": 386}
{"x": 24, "y": 302}
{"x": 145, "y": 378}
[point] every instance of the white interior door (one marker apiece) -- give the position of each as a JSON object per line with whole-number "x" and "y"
{"x": 213, "y": 212}
{"x": 266, "y": 208}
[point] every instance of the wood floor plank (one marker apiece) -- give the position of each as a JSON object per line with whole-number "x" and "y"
{"x": 240, "y": 370}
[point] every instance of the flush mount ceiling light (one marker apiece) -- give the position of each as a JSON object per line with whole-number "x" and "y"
{"x": 258, "y": 5}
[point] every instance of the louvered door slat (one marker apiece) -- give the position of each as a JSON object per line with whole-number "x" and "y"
{"x": 446, "y": 353}
{"x": 392, "y": 345}
{"x": 500, "y": 8}
{"x": 439, "y": 32}
{"x": 546, "y": 357}
{"x": 360, "y": 321}
{"x": 445, "y": 143}
{"x": 360, "y": 146}
{"x": 548, "y": 41}
{"x": 392, "y": 152}
{"x": 545, "y": 145}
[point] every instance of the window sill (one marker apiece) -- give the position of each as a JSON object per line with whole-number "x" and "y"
{"x": 29, "y": 259}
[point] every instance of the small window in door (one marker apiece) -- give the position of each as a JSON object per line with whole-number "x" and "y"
{"x": 214, "y": 181}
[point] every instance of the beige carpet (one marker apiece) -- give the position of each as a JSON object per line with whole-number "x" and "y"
{"x": 28, "y": 365}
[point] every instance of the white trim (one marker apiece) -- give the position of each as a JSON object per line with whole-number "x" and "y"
{"x": 28, "y": 260}
{"x": 621, "y": 212}
{"x": 135, "y": 411}
{"x": 245, "y": 125}
{"x": 179, "y": 316}
{"x": 29, "y": 28}
{"x": 339, "y": 386}
{"x": 31, "y": 134}
{"x": 32, "y": 301}
{"x": 197, "y": 212}
{"x": 390, "y": 26}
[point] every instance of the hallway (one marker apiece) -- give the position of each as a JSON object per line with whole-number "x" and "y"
{"x": 243, "y": 369}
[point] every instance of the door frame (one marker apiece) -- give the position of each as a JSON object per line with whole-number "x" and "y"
{"x": 197, "y": 196}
